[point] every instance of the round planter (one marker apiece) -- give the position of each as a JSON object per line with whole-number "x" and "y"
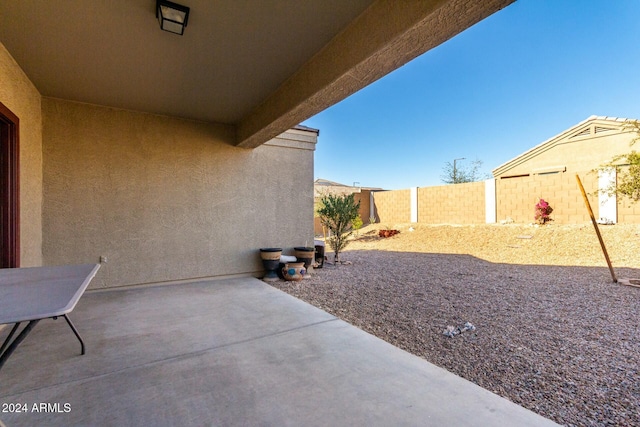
{"x": 305, "y": 255}
{"x": 294, "y": 271}
{"x": 270, "y": 260}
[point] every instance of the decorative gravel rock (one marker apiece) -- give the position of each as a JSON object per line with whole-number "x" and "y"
{"x": 544, "y": 326}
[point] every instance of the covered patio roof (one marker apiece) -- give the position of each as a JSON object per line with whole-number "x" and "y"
{"x": 257, "y": 67}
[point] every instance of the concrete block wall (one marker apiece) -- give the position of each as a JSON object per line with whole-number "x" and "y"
{"x": 628, "y": 212}
{"x": 516, "y": 197}
{"x": 457, "y": 204}
{"x": 392, "y": 206}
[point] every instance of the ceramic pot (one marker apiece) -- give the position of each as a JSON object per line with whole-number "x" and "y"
{"x": 305, "y": 255}
{"x": 270, "y": 260}
{"x": 294, "y": 271}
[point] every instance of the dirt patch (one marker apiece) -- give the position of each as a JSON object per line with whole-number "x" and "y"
{"x": 553, "y": 333}
{"x": 513, "y": 243}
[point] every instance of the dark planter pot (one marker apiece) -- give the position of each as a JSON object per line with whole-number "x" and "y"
{"x": 319, "y": 253}
{"x": 270, "y": 260}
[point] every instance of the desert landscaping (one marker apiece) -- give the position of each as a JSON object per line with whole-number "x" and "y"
{"x": 551, "y": 331}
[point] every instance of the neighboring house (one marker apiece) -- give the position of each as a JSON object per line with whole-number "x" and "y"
{"x": 174, "y": 157}
{"x": 582, "y": 147}
{"x": 548, "y": 171}
{"x": 323, "y": 187}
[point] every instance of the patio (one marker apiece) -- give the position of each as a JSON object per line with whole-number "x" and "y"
{"x": 230, "y": 352}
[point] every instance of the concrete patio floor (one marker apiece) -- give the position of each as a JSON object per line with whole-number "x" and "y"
{"x": 226, "y": 353}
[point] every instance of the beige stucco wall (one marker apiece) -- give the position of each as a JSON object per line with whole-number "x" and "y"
{"x": 163, "y": 199}
{"x": 19, "y": 95}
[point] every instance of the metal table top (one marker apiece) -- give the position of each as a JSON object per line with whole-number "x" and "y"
{"x": 42, "y": 292}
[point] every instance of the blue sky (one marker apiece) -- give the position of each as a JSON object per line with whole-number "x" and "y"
{"x": 510, "y": 82}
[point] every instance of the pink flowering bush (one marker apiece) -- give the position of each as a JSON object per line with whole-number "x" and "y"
{"x": 543, "y": 210}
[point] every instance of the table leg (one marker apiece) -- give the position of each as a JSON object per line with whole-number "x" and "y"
{"x": 5, "y": 344}
{"x": 16, "y": 342}
{"x": 75, "y": 331}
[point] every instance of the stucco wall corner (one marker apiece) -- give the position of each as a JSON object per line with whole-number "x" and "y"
{"x": 20, "y": 96}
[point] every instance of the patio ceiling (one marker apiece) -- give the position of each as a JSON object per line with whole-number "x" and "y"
{"x": 259, "y": 67}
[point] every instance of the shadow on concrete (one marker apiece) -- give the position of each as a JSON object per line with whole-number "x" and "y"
{"x": 230, "y": 352}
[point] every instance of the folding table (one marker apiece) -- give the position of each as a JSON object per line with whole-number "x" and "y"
{"x": 36, "y": 293}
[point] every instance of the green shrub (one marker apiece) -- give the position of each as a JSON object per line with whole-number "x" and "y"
{"x": 337, "y": 213}
{"x": 356, "y": 224}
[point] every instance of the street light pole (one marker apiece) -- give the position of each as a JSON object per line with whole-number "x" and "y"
{"x": 455, "y": 178}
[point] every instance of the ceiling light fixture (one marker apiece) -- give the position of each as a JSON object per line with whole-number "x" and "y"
{"x": 172, "y": 17}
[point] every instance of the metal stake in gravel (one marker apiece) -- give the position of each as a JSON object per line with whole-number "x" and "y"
{"x": 595, "y": 225}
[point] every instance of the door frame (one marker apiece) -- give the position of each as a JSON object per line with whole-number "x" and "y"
{"x": 9, "y": 188}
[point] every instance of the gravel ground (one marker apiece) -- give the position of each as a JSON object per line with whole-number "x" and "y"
{"x": 553, "y": 333}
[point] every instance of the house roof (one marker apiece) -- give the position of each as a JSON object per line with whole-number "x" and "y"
{"x": 326, "y": 182}
{"x": 307, "y": 128}
{"x": 324, "y": 186}
{"x": 587, "y": 128}
{"x": 257, "y": 68}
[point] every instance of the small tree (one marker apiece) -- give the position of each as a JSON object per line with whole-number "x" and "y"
{"x": 453, "y": 173}
{"x": 628, "y": 179}
{"x": 337, "y": 213}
